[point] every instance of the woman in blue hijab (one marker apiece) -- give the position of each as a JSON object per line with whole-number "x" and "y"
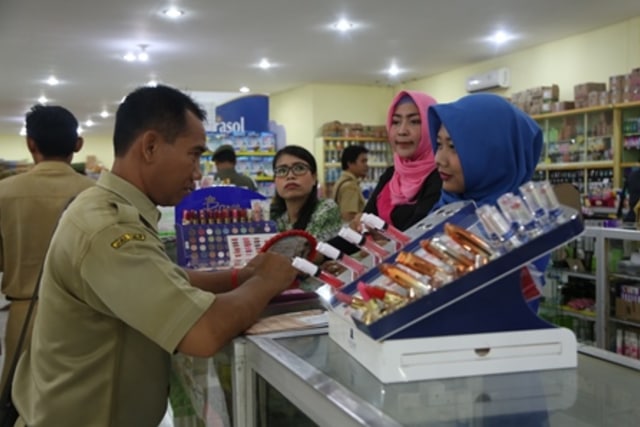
{"x": 496, "y": 145}
{"x": 485, "y": 147}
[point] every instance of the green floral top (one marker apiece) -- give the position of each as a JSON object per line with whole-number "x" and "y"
{"x": 324, "y": 224}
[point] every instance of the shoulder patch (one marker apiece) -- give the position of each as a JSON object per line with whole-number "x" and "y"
{"x": 127, "y": 237}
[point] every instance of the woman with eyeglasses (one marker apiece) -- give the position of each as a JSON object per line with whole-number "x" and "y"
{"x": 296, "y": 204}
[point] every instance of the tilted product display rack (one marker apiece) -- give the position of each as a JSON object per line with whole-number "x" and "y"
{"x": 477, "y": 324}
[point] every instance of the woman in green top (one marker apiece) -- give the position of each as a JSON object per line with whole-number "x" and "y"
{"x": 296, "y": 204}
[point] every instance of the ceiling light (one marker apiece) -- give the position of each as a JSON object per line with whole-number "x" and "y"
{"x": 500, "y": 37}
{"x": 393, "y": 70}
{"x": 343, "y": 25}
{"x": 104, "y": 114}
{"x": 152, "y": 83}
{"x": 52, "y": 81}
{"x": 80, "y": 130}
{"x": 264, "y": 64}
{"x": 23, "y": 131}
{"x": 244, "y": 89}
{"x": 89, "y": 123}
{"x": 143, "y": 55}
{"x": 173, "y": 12}
{"x": 43, "y": 100}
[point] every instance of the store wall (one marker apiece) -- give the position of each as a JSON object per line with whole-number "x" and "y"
{"x": 587, "y": 57}
{"x": 14, "y": 147}
{"x": 304, "y": 110}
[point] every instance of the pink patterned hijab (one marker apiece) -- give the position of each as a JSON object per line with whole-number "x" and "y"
{"x": 410, "y": 173}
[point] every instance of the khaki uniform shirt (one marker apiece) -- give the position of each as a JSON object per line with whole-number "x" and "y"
{"x": 349, "y": 195}
{"x": 30, "y": 205}
{"x": 113, "y": 307}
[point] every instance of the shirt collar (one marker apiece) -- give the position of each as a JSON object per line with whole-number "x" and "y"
{"x": 131, "y": 194}
{"x": 52, "y": 165}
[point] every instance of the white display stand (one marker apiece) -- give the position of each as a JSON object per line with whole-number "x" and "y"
{"x": 455, "y": 356}
{"x": 479, "y": 324}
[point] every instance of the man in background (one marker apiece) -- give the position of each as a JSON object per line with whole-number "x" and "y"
{"x": 347, "y": 192}
{"x": 113, "y": 307}
{"x": 225, "y": 159}
{"x": 30, "y": 205}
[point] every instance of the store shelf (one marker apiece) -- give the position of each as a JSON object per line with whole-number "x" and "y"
{"x": 255, "y": 153}
{"x": 574, "y": 112}
{"x": 600, "y": 164}
{"x": 626, "y": 276}
{"x": 570, "y": 273}
{"x": 355, "y": 138}
{"x": 625, "y": 322}
{"x": 578, "y": 314}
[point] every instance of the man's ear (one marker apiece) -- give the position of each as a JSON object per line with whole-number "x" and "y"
{"x": 150, "y": 144}
{"x": 79, "y": 144}
{"x": 31, "y": 145}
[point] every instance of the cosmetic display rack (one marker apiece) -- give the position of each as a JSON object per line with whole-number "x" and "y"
{"x": 476, "y": 324}
{"x": 223, "y": 226}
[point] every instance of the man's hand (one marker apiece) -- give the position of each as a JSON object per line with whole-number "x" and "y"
{"x": 273, "y": 270}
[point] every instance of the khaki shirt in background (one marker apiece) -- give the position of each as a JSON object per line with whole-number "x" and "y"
{"x": 30, "y": 205}
{"x": 347, "y": 193}
{"x": 113, "y": 307}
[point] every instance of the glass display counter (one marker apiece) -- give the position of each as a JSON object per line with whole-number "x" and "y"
{"x": 325, "y": 383}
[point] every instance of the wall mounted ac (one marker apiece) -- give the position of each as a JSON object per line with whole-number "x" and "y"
{"x": 498, "y": 78}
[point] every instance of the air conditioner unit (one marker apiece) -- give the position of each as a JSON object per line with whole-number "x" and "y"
{"x": 500, "y": 77}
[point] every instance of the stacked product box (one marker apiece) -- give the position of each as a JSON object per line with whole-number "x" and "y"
{"x": 536, "y": 100}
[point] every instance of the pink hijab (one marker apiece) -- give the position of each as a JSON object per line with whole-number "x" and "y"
{"x": 410, "y": 173}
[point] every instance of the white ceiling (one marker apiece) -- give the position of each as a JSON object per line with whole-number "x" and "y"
{"x": 217, "y": 44}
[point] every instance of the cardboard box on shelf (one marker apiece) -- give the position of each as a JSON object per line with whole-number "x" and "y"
{"x": 562, "y": 106}
{"x": 628, "y": 303}
{"x": 581, "y": 91}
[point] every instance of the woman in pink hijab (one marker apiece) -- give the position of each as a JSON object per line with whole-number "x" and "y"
{"x": 407, "y": 191}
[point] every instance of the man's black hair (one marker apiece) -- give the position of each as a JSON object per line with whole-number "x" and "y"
{"x": 350, "y": 155}
{"x": 161, "y": 108}
{"x": 53, "y": 129}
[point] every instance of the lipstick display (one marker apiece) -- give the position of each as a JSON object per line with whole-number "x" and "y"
{"x": 404, "y": 279}
{"x": 364, "y": 242}
{"x": 313, "y": 270}
{"x": 356, "y": 267}
{"x": 388, "y": 230}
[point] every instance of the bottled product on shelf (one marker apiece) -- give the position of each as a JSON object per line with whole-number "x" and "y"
{"x": 254, "y": 156}
{"x": 380, "y": 158}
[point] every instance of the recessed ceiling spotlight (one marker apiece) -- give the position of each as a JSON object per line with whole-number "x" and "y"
{"x": 23, "y": 131}
{"x": 173, "y": 12}
{"x": 43, "y": 100}
{"x": 245, "y": 89}
{"x": 143, "y": 56}
{"x": 89, "y": 123}
{"x": 264, "y": 64}
{"x": 52, "y": 81}
{"x": 393, "y": 70}
{"x": 79, "y": 130}
{"x": 104, "y": 114}
{"x": 500, "y": 37}
{"x": 152, "y": 83}
{"x": 343, "y": 25}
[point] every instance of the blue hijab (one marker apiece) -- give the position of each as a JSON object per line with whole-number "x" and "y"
{"x": 498, "y": 145}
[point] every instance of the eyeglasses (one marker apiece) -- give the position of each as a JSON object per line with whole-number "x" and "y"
{"x": 298, "y": 169}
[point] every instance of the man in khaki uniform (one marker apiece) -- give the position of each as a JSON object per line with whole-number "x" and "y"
{"x": 225, "y": 160}
{"x": 30, "y": 205}
{"x": 113, "y": 307}
{"x": 346, "y": 191}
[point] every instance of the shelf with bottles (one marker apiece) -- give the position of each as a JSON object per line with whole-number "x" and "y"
{"x": 330, "y": 168}
{"x": 254, "y": 156}
{"x": 623, "y": 283}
